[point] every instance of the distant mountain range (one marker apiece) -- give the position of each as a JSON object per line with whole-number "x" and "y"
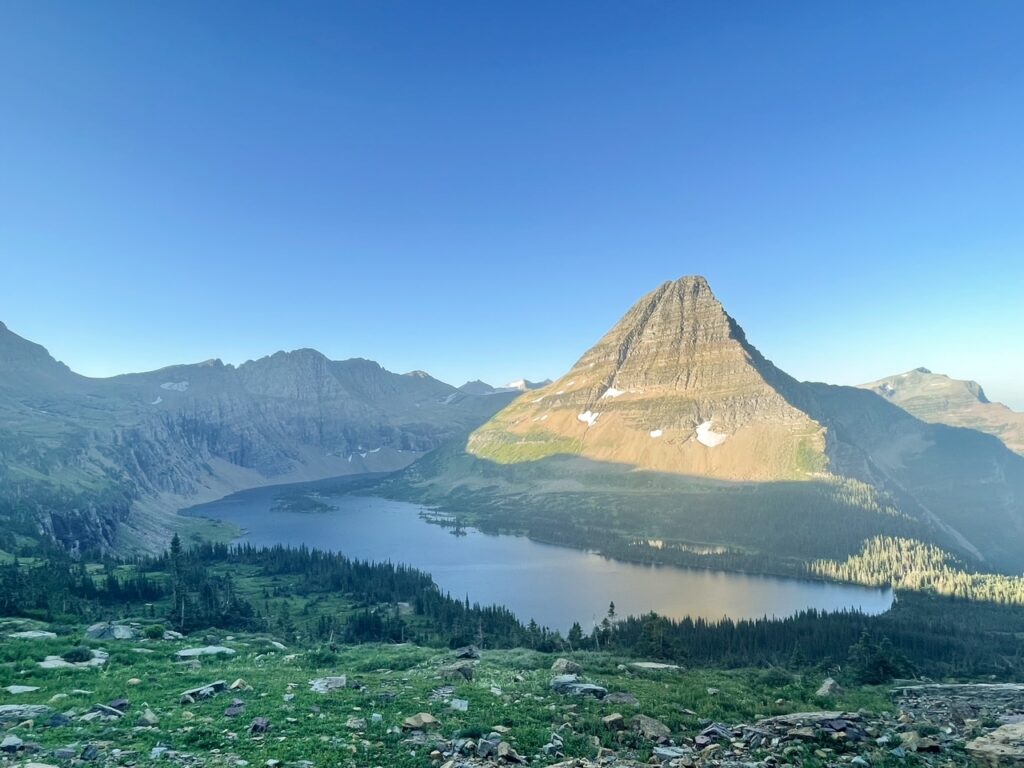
{"x": 673, "y": 426}
{"x": 940, "y": 399}
{"x": 671, "y": 433}
{"x": 98, "y": 463}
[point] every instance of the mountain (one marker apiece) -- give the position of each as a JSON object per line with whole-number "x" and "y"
{"x": 478, "y": 387}
{"x": 101, "y": 463}
{"x": 937, "y": 398}
{"x": 674, "y": 428}
{"x": 674, "y": 386}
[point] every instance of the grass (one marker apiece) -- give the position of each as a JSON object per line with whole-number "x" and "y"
{"x": 398, "y": 681}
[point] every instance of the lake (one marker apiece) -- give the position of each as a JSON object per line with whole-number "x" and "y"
{"x": 553, "y": 585}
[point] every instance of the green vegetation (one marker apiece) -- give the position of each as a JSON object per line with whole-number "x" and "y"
{"x": 913, "y": 565}
{"x": 319, "y": 599}
{"x": 509, "y": 689}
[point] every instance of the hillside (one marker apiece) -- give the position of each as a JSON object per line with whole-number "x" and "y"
{"x": 673, "y": 426}
{"x": 940, "y": 399}
{"x": 99, "y": 463}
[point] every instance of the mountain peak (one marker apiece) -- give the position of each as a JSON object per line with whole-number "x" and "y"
{"x": 673, "y": 386}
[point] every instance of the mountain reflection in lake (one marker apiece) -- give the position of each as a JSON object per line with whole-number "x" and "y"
{"x": 553, "y": 585}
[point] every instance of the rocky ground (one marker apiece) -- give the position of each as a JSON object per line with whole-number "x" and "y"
{"x": 118, "y": 699}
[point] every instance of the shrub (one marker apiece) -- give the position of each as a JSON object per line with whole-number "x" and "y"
{"x": 154, "y": 631}
{"x": 77, "y": 654}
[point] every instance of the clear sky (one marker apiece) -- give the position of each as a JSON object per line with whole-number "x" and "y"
{"x": 481, "y": 189}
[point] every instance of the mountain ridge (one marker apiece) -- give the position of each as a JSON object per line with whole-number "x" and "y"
{"x": 938, "y": 398}
{"x": 674, "y": 395}
{"x": 108, "y": 461}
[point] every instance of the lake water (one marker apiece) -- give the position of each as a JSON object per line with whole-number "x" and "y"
{"x": 553, "y": 585}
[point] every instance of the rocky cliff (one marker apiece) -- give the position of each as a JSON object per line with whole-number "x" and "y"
{"x": 97, "y": 463}
{"x": 940, "y": 399}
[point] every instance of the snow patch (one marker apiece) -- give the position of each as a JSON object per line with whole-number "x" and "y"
{"x": 448, "y": 400}
{"x": 545, "y": 417}
{"x": 707, "y": 436}
{"x": 655, "y": 433}
{"x": 588, "y": 417}
{"x": 157, "y": 401}
{"x": 540, "y": 398}
{"x": 174, "y": 386}
{"x": 612, "y": 392}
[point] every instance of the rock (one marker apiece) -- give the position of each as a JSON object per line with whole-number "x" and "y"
{"x": 206, "y": 650}
{"x": 33, "y": 634}
{"x": 237, "y": 708}
{"x": 107, "y": 711}
{"x": 420, "y": 722}
{"x": 91, "y": 752}
{"x": 170, "y": 634}
{"x": 356, "y": 724}
{"x": 460, "y": 670}
{"x": 622, "y": 698}
{"x": 713, "y": 691}
{"x": 65, "y": 753}
{"x": 14, "y": 690}
{"x": 16, "y": 713}
{"x": 655, "y": 666}
{"x": 467, "y": 652}
{"x": 459, "y": 705}
{"x": 11, "y": 744}
{"x": 614, "y": 722}
{"x": 108, "y": 631}
{"x": 829, "y": 688}
{"x": 570, "y": 685}
{"x": 134, "y": 681}
{"x": 203, "y": 692}
{"x": 240, "y": 685}
{"x": 99, "y": 658}
{"x": 1002, "y": 747}
{"x": 566, "y": 667}
{"x": 148, "y": 719}
{"x": 121, "y": 705}
{"x": 328, "y": 684}
{"x": 670, "y": 753}
{"x": 259, "y": 725}
{"x": 58, "y": 720}
{"x": 650, "y": 728}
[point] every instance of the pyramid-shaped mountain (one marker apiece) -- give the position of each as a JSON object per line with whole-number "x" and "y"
{"x": 675, "y": 387}
{"x": 673, "y": 428}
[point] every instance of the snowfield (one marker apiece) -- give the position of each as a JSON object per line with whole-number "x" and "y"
{"x": 710, "y": 438}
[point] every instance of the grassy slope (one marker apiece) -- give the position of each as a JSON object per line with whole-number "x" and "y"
{"x": 313, "y": 726}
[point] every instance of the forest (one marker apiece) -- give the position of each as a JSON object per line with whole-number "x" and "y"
{"x": 321, "y": 599}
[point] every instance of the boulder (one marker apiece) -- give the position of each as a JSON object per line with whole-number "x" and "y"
{"x": 829, "y": 688}
{"x": 14, "y": 690}
{"x": 203, "y": 691}
{"x": 16, "y": 713}
{"x": 328, "y": 684}
{"x": 148, "y": 719}
{"x": 654, "y": 666}
{"x": 33, "y": 634}
{"x": 566, "y": 667}
{"x": 650, "y": 728}
{"x": 1002, "y": 747}
{"x": 460, "y": 670}
{"x": 206, "y": 650}
{"x": 259, "y": 725}
{"x": 467, "y": 652}
{"x": 108, "y": 631}
{"x": 420, "y": 722}
{"x": 570, "y": 685}
{"x": 614, "y": 722}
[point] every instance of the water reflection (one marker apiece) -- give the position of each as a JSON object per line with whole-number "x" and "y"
{"x": 553, "y": 585}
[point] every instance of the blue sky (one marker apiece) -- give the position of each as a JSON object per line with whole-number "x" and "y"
{"x": 482, "y": 189}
